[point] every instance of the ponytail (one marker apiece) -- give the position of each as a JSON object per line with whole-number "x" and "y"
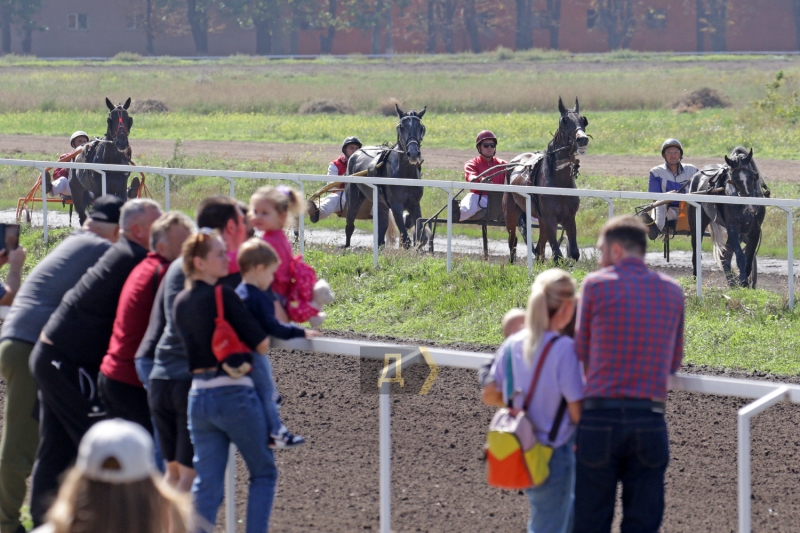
{"x": 550, "y": 291}
{"x": 284, "y": 199}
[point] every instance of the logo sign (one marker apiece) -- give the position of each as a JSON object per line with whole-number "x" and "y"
{"x": 397, "y": 370}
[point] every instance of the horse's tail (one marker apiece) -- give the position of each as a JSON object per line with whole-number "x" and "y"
{"x": 719, "y": 236}
{"x": 392, "y": 232}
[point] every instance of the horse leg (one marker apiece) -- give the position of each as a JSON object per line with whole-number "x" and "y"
{"x": 741, "y": 262}
{"x": 753, "y": 238}
{"x": 549, "y": 229}
{"x": 511, "y": 214}
{"x": 572, "y": 237}
{"x": 383, "y": 225}
{"x": 414, "y": 214}
{"x": 731, "y": 247}
{"x": 354, "y": 201}
{"x": 397, "y": 213}
{"x": 78, "y": 203}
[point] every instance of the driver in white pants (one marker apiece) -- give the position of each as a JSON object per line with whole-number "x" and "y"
{"x": 670, "y": 176}
{"x": 335, "y": 201}
{"x": 474, "y": 201}
{"x": 60, "y": 184}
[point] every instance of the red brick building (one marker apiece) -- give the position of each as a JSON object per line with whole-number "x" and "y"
{"x": 103, "y": 28}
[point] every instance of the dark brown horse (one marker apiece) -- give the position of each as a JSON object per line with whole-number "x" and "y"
{"x": 113, "y": 149}
{"x": 557, "y": 167}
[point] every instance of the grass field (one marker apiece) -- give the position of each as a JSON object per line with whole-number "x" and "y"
{"x": 706, "y": 133}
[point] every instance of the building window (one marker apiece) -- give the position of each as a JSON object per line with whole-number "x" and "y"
{"x": 134, "y": 22}
{"x": 591, "y": 18}
{"x": 77, "y": 21}
{"x": 656, "y": 19}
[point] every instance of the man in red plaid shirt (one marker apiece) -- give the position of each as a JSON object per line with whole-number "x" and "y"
{"x": 629, "y": 336}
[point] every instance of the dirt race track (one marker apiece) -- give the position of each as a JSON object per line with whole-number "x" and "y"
{"x": 331, "y": 484}
{"x": 611, "y": 165}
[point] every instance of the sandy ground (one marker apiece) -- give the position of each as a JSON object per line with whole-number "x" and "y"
{"x": 611, "y": 165}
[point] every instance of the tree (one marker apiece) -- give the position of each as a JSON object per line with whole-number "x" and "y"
{"x": 19, "y": 13}
{"x": 197, "y": 13}
{"x": 553, "y": 21}
{"x": 712, "y": 20}
{"x": 471, "y": 25}
{"x": 523, "y": 36}
{"x": 371, "y": 16}
{"x": 616, "y": 18}
{"x": 328, "y": 22}
{"x": 796, "y": 13}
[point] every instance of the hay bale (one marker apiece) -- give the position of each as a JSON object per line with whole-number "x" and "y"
{"x": 148, "y": 106}
{"x": 700, "y": 99}
{"x": 325, "y": 106}
{"x": 387, "y": 108}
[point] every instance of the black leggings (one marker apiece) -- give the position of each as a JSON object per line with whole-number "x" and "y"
{"x": 169, "y": 403}
{"x": 125, "y": 401}
{"x": 69, "y": 406}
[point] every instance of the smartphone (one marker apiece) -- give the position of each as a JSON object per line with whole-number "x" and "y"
{"x": 9, "y": 236}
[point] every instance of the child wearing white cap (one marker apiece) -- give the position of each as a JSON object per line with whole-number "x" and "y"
{"x": 114, "y": 486}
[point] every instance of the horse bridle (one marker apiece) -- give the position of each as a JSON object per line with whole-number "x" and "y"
{"x": 120, "y": 122}
{"x": 737, "y": 185}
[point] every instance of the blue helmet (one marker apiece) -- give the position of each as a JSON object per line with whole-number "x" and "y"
{"x": 670, "y": 143}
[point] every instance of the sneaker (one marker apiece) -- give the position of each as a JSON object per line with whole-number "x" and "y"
{"x": 285, "y": 439}
{"x": 313, "y": 212}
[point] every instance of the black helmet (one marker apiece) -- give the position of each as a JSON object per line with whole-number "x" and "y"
{"x": 350, "y": 140}
{"x": 674, "y": 143}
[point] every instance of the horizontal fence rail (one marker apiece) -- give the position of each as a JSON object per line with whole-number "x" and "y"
{"x": 766, "y": 394}
{"x": 787, "y": 205}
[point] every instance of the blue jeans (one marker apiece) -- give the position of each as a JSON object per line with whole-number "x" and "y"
{"x": 143, "y": 368}
{"x": 218, "y": 417}
{"x": 265, "y": 387}
{"x": 625, "y": 445}
{"x": 552, "y": 502}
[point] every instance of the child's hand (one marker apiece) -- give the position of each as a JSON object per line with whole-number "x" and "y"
{"x": 311, "y": 333}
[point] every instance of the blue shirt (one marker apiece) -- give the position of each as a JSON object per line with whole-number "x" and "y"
{"x": 261, "y": 305}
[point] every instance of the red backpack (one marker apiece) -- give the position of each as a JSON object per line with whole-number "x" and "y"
{"x": 301, "y": 291}
{"x": 225, "y": 342}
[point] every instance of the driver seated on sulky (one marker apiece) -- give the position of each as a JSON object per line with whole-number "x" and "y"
{"x": 335, "y": 201}
{"x": 672, "y": 175}
{"x": 474, "y": 201}
{"x": 60, "y": 184}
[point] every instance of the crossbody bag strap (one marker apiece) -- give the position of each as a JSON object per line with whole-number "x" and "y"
{"x": 538, "y": 371}
{"x": 509, "y": 377}
{"x": 220, "y": 305}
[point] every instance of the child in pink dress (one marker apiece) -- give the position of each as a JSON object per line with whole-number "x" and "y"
{"x": 299, "y": 293}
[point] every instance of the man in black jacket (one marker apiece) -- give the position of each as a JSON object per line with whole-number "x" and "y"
{"x": 66, "y": 359}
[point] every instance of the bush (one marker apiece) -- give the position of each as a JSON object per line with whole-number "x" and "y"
{"x": 700, "y": 99}
{"x": 504, "y": 54}
{"x": 127, "y": 57}
{"x": 778, "y": 103}
{"x": 325, "y": 106}
{"x": 387, "y": 108}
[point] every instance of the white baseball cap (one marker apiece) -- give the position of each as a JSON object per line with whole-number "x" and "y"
{"x": 129, "y": 446}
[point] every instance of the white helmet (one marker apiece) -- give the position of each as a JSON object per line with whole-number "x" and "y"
{"x": 78, "y": 134}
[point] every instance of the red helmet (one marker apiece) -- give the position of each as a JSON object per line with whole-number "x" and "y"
{"x": 485, "y": 135}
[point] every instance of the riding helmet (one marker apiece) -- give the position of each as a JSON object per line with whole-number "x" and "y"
{"x": 485, "y": 135}
{"x": 669, "y": 143}
{"x": 350, "y": 140}
{"x": 78, "y": 134}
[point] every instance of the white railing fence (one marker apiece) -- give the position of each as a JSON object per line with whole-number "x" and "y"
{"x": 451, "y": 187}
{"x": 766, "y": 394}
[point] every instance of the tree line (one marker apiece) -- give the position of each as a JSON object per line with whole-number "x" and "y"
{"x": 440, "y": 24}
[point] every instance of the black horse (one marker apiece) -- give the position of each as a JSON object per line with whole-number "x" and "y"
{"x": 739, "y": 177}
{"x": 557, "y": 167}
{"x": 402, "y": 160}
{"x": 113, "y": 149}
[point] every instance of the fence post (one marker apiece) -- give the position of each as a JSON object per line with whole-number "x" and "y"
{"x": 529, "y": 231}
{"x": 698, "y": 213}
{"x": 230, "y": 491}
{"x": 103, "y": 181}
{"x": 44, "y": 204}
{"x": 375, "y": 235}
{"x": 301, "y": 222}
{"x": 166, "y": 191}
{"x": 449, "y": 230}
{"x": 385, "y": 439}
{"x": 790, "y": 249}
{"x": 610, "y": 202}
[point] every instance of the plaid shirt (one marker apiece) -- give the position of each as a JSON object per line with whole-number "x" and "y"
{"x": 629, "y": 333}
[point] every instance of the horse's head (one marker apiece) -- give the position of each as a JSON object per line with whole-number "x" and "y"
{"x": 571, "y": 128}
{"x": 743, "y": 176}
{"x": 410, "y": 132}
{"x": 119, "y": 124}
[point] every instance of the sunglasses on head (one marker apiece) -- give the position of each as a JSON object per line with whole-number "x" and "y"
{"x": 488, "y": 145}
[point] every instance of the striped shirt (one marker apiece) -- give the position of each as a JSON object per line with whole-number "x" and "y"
{"x": 629, "y": 333}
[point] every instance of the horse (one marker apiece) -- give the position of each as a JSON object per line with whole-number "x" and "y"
{"x": 730, "y": 224}
{"x": 556, "y": 167}
{"x": 113, "y": 149}
{"x": 401, "y": 160}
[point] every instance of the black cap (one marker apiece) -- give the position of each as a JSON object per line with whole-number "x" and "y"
{"x": 106, "y": 209}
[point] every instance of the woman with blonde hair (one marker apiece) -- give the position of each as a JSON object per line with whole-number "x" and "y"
{"x": 114, "y": 486}
{"x": 559, "y": 391}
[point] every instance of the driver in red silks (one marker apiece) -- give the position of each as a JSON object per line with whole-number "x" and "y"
{"x": 474, "y": 201}
{"x": 60, "y": 183}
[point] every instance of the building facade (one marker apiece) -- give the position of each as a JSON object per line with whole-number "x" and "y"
{"x": 104, "y": 28}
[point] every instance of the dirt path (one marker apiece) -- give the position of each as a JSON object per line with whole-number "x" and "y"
{"x": 321, "y": 154}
